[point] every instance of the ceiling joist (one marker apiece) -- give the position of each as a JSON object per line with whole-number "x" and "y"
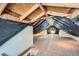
{"x": 29, "y": 11}
{"x": 69, "y": 5}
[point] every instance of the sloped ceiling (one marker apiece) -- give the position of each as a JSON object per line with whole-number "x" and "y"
{"x": 30, "y": 12}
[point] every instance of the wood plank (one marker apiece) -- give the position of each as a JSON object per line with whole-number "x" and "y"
{"x": 57, "y": 9}
{"x": 43, "y": 9}
{"x": 70, "y": 5}
{"x": 36, "y": 14}
{"x": 75, "y": 13}
{"x": 2, "y": 7}
{"x": 57, "y": 13}
{"x": 36, "y": 18}
{"x": 11, "y": 13}
{"x": 10, "y": 17}
{"x": 34, "y": 7}
{"x": 7, "y": 16}
{"x": 19, "y": 8}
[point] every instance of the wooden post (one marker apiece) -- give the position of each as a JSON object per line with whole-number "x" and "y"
{"x": 2, "y": 7}
{"x": 29, "y": 11}
{"x": 42, "y": 8}
{"x": 40, "y": 15}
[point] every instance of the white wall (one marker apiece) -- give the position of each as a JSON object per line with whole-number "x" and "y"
{"x": 18, "y": 43}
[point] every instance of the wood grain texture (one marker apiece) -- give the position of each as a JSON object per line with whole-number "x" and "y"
{"x": 30, "y": 12}
{"x": 69, "y": 5}
{"x": 36, "y": 14}
{"x": 10, "y": 17}
{"x": 57, "y": 9}
{"x": 27, "y": 13}
{"x": 19, "y": 8}
{"x": 2, "y": 7}
{"x": 74, "y": 13}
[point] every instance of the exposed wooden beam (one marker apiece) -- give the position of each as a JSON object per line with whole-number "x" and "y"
{"x": 70, "y": 5}
{"x": 13, "y": 18}
{"x": 11, "y": 13}
{"x": 57, "y": 13}
{"x": 19, "y": 8}
{"x": 57, "y": 9}
{"x": 2, "y": 7}
{"x": 34, "y": 19}
{"x": 29, "y": 11}
{"x": 75, "y": 13}
{"x": 43, "y": 9}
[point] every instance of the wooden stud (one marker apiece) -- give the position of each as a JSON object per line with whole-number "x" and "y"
{"x": 70, "y": 5}
{"x": 29, "y": 11}
{"x": 10, "y": 17}
{"x": 75, "y": 13}
{"x": 2, "y": 7}
{"x": 35, "y": 15}
{"x": 57, "y": 13}
{"x": 43, "y": 9}
{"x": 34, "y": 19}
{"x": 57, "y": 9}
{"x": 19, "y": 8}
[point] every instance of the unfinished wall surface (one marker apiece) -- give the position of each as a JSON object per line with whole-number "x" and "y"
{"x": 30, "y": 12}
